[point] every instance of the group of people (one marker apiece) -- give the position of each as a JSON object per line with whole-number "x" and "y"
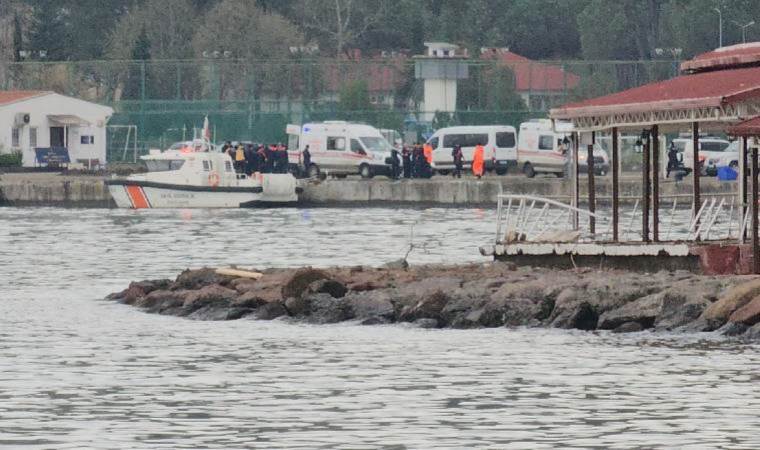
{"x": 418, "y": 161}
{"x": 252, "y": 158}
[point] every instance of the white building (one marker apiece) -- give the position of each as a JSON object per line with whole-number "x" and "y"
{"x": 32, "y": 120}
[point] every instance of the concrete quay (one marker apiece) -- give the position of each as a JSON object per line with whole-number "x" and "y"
{"x": 51, "y": 189}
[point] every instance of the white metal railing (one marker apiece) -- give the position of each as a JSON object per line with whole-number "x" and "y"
{"x": 532, "y": 218}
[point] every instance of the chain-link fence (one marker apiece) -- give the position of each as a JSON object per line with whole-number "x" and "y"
{"x": 167, "y": 100}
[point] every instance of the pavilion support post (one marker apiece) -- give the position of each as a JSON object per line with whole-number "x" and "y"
{"x": 755, "y": 242}
{"x": 576, "y": 180}
{"x": 615, "y": 187}
{"x": 655, "y": 183}
{"x": 696, "y": 172}
{"x": 591, "y": 184}
{"x": 743, "y": 176}
{"x": 645, "y": 189}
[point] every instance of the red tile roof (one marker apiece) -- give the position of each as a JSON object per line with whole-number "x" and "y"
{"x": 534, "y": 76}
{"x": 726, "y": 57}
{"x": 748, "y": 128}
{"x": 7, "y": 97}
{"x": 701, "y": 90}
{"x": 381, "y": 74}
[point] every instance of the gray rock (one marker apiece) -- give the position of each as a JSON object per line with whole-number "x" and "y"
{"x": 679, "y": 309}
{"x": 644, "y": 311}
{"x": 753, "y": 333}
{"x": 270, "y": 311}
{"x": 334, "y": 288}
{"x": 161, "y": 300}
{"x": 300, "y": 281}
{"x": 429, "y": 307}
{"x": 628, "y": 327}
{"x": 325, "y": 309}
{"x": 298, "y": 306}
{"x": 579, "y": 315}
{"x": 215, "y": 293}
{"x": 372, "y": 304}
{"x": 196, "y": 279}
{"x": 732, "y": 329}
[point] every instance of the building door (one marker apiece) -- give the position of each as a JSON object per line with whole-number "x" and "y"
{"x": 57, "y": 137}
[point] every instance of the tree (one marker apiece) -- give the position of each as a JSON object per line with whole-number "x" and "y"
{"x": 18, "y": 37}
{"x": 48, "y": 31}
{"x": 354, "y": 102}
{"x": 339, "y": 24}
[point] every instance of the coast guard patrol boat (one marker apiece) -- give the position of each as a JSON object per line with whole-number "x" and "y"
{"x": 194, "y": 175}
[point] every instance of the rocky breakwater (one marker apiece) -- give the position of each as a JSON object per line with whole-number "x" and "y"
{"x": 467, "y": 296}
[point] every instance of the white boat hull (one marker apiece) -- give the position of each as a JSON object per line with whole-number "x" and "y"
{"x": 141, "y": 195}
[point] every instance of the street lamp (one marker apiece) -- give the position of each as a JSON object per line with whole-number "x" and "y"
{"x": 744, "y": 29}
{"x": 676, "y": 52}
{"x": 720, "y": 27}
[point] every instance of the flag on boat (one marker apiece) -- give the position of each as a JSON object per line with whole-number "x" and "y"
{"x": 206, "y": 129}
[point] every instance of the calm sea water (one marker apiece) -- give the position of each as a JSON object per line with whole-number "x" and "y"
{"x": 79, "y": 372}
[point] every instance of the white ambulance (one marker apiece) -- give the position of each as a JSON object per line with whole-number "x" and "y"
{"x": 542, "y": 150}
{"x": 340, "y": 148}
{"x": 499, "y": 142}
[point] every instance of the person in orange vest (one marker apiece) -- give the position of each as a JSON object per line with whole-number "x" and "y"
{"x": 477, "y": 161}
{"x": 427, "y": 149}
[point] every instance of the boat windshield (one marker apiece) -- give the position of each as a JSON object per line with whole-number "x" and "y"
{"x": 376, "y": 144}
{"x": 164, "y": 165}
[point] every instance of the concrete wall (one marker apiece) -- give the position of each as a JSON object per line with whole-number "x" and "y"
{"x": 44, "y": 189}
{"x": 446, "y": 191}
{"x": 54, "y": 190}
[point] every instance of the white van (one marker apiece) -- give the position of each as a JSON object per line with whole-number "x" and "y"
{"x": 714, "y": 152}
{"x": 499, "y": 142}
{"x": 340, "y": 148}
{"x": 541, "y": 150}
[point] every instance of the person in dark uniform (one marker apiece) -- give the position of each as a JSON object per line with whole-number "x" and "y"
{"x": 457, "y": 156}
{"x": 417, "y": 158}
{"x": 673, "y": 163}
{"x": 395, "y": 164}
{"x": 270, "y": 155}
{"x": 249, "y": 156}
{"x": 406, "y": 155}
{"x": 306, "y": 159}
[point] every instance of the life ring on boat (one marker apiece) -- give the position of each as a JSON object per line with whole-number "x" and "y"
{"x": 213, "y": 179}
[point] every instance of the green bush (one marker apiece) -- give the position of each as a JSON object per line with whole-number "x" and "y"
{"x": 11, "y": 159}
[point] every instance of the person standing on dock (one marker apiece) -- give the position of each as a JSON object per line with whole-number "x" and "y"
{"x": 406, "y": 156}
{"x": 477, "y": 161}
{"x": 395, "y": 164}
{"x": 457, "y": 156}
{"x": 239, "y": 159}
{"x": 306, "y": 160}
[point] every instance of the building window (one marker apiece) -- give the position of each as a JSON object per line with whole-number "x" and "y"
{"x": 32, "y": 137}
{"x": 87, "y": 139}
{"x": 16, "y": 137}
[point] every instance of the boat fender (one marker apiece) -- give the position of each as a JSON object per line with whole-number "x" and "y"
{"x": 213, "y": 179}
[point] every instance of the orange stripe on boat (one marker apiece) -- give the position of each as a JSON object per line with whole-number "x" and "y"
{"x": 136, "y": 194}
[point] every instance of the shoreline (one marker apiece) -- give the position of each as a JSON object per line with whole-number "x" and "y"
{"x": 89, "y": 191}
{"x": 472, "y": 296}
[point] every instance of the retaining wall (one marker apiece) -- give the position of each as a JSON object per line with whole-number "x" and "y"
{"x": 45, "y": 189}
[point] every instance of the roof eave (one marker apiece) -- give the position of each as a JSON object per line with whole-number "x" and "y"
{"x": 608, "y": 110}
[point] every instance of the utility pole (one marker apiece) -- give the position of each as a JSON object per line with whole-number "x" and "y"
{"x": 720, "y": 27}
{"x": 744, "y": 29}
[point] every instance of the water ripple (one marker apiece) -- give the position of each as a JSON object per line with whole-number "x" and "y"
{"x": 76, "y": 371}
